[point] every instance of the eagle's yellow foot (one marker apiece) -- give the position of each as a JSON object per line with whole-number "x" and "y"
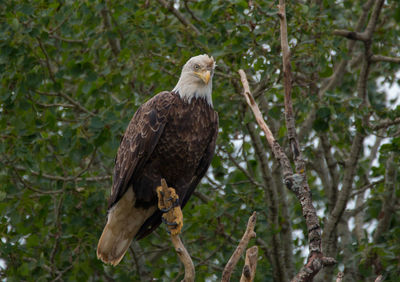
{"x": 168, "y": 202}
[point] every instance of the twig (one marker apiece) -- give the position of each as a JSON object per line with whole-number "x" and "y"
{"x": 65, "y": 96}
{"x": 77, "y": 105}
{"x": 248, "y": 234}
{"x": 30, "y": 187}
{"x": 366, "y": 187}
{"x": 190, "y": 11}
{"x": 245, "y": 172}
{"x": 49, "y": 68}
{"x": 89, "y": 164}
{"x": 351, "y": 34}
{"x": 169, "y": 5}
{"x": 68, "y": 40}
{"x": 66, "y": 178}
{"x": 250, "y": 265}
{"x": 114, "y": 42}
{"x": 174, "y": 214}
{"x": 380, "y": 58}
{"x": 204, "y": 198}
{"x": 385, "y": 124}
{"x": 53, "y": 105}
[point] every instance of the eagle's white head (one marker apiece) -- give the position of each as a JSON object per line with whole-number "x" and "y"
{"x": 196, "y": 79}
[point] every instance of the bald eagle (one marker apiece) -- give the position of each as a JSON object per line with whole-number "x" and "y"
{"x": 171, "y": 136}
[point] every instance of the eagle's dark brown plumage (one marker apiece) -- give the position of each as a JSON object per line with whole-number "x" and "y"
{"x": 171, "y": 136}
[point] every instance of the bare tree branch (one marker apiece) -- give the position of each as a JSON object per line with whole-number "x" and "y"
{"x": 296, "y": 183}
{"x": 250, "y": 265}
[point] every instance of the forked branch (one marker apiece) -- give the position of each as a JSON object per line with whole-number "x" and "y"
{"x": 250, "y": 265}
{"x": 249, "y": 233}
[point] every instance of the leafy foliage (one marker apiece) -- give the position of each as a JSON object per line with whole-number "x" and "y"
{"x": 72, "y": 74}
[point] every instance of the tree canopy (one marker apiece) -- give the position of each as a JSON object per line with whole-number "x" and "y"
{"x": 72, "y": 73}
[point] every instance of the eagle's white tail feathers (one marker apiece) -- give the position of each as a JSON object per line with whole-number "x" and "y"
{"x": 124, "y": 221}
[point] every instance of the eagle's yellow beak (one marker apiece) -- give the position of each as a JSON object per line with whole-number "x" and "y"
{"x": 204, "y": 75}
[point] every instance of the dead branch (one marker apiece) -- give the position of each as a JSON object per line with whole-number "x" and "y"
{"x": 295, "y": 183}
{"x": 276, "y": 148}
{"x": 167, "y": 199}
{"x": 248, "y": 234}
{"x": 250, "y": 265}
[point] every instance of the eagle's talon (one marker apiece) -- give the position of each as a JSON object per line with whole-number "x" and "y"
{"x": 172, "y": 224}
{"x": 166, "y": 210}
{"x": 176, "y": 203}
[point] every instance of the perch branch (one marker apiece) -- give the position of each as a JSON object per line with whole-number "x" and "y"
{"x": 174, "y": 220}
{"x": 250, "y": 265}
{"x": 248, "y": 234}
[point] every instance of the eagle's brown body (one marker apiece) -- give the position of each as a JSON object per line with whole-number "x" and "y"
{"x": 168, "y": 137}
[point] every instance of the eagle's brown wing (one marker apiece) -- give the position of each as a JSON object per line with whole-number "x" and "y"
{"x": 155, "y": 220}
{"x": 204, "y": 163}
{"x": 139, "y": 141}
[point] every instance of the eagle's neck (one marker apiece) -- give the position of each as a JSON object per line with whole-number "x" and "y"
{"x": 188, "y": 90}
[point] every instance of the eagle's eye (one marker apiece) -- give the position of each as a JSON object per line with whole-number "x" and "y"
{"x": 196, "y": 66}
